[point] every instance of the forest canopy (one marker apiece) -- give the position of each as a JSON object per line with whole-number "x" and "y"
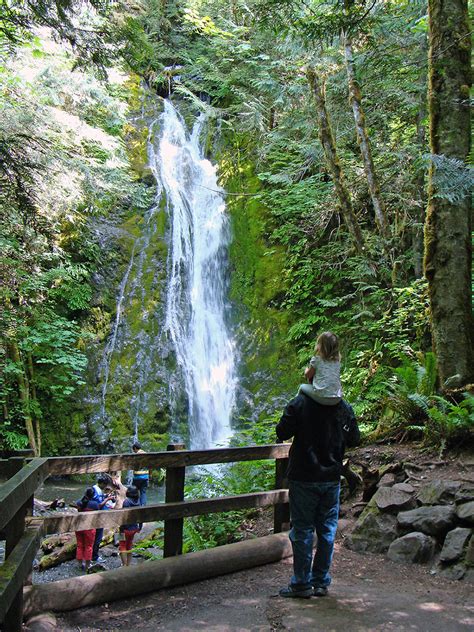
{"x": 341, "y": 131}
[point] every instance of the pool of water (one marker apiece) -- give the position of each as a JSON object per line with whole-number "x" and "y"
{"x": 71, "y": 490}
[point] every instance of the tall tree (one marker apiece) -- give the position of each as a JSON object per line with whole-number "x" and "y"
{"x": 355, "y": 98}
{"x": 448, "y": 253}
{"x": 326, "y": 137}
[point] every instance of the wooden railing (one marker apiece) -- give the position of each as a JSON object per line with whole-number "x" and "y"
{"x": 23, "y": 533}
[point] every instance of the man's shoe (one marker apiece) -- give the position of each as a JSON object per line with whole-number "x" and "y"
{"x": 298, "y": 593}
{"x": 99, "y": 560}
{"x": 320, "y": 591}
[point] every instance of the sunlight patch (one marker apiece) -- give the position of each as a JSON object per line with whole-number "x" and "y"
{"x": 431, "y": 606}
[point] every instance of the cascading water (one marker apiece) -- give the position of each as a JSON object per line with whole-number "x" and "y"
{"x": 196, "y": 304}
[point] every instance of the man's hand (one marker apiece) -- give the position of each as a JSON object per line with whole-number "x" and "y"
{"x": 309, "y": 373}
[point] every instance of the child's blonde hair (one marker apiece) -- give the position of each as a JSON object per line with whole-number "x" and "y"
{"x": 327, "y": 346}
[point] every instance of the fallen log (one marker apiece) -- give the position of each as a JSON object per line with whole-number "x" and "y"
{"x": 60, "y": 554}
{"x": 41, "y": 623}
{"x": 67, "y": 550}
{"x": 53, "y": 542}
{"x": 42, "y": 506}
{"x": 126, "y": 582}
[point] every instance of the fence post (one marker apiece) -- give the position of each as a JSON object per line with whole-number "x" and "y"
{"x": 174, "y": 492}
{"x": 281, "y": 513}
{"x": 13, "y": 532}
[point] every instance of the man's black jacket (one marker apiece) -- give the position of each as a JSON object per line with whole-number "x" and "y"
{"x": 321, "y": 434}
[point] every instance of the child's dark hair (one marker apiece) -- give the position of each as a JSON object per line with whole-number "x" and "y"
{"x": 137, "y": 445}
{"x": 132, "y": 492}
{"x": 88, "y": 495}
{"x": 327, "y": 346}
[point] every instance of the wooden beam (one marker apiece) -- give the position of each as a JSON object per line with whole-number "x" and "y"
{"x": 14, "y": 530}
{"x": 16, "y": 567}
{"x": 152, "y": 513}
{"x": 281, "y": 513}
{"x": 15, "y": 492}
{"x": 114, "y": 462}
{"x": 129, "y": 581}
{"x": 174, "y": 486}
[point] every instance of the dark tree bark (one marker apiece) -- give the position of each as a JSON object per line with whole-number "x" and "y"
{"x": 332, "y": 160}
{"x": 448, "y": 255}
{"x": 417, "y": 235}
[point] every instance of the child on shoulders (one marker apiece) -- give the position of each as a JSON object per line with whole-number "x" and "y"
{"x": 324, "y": 372}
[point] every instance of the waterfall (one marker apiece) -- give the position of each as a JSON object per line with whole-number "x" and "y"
{"x": 196, "y": 302}
{"x": 104, "y": 365}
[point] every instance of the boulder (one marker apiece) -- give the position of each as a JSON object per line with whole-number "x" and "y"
{"x": 374, "y": 531}
{"x": 454, "y": 544}
{"x": 387, "y": 480}
{"x": 413, "y": 547}
{"x": 453, "y": 572}
{"x": 404, "y": 487}
{"x": 390, "y": 499}
{"x": 436, "y": 520}
{"x": 469, "y": 576}
{"x": 464, "y": 494}
{"x": 470, "y": 553}
{"x": 343, "y": 526}
{"x": 465, "y": 512}
{"x": 438, "y": 492}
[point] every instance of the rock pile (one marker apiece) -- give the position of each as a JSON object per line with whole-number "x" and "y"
{"x": 413, "y": 526}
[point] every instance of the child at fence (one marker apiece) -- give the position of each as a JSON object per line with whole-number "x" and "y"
{"x": 324, "y": 371}
{"x": 85, "y": 538}
{"x": 101, "y": 496}
{"x": 128, "y": 531}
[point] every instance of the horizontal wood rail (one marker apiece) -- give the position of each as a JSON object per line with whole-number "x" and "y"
{"x": 182, "y": 458}
{"x": 23, "y": 535}
{"x": 152, "y": 513}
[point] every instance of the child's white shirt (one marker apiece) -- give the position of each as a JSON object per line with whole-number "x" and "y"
{"x": 327, "y": 377}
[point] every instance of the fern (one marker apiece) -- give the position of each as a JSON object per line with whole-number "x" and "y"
{"x": 452, "y": 178}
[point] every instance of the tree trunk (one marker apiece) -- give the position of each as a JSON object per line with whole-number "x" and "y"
{"x": 329, "y": 146}
{"x": 31, "y": 374}
{"x": 355, "y": 99}
{"x": 417, "y": 237}
{"x": 448, "y": 255}
{"x": 24, "y": 394}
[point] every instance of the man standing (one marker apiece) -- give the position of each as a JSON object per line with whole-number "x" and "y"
{"x": 320, "y": 436}
{"x": 141, "y": 476}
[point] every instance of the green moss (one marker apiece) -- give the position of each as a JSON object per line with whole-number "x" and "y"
{"x": 257, "y": 283}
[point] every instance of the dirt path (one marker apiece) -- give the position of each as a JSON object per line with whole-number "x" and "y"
{"x": 368, "y": 594}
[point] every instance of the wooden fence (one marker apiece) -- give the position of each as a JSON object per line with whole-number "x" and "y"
{"x": 22, "y": 532}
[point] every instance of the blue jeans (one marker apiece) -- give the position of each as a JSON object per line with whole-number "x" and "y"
{"x": 99, "y": 534}
{"x": 313, "y": 506}
{"x": 141, "y": 484}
